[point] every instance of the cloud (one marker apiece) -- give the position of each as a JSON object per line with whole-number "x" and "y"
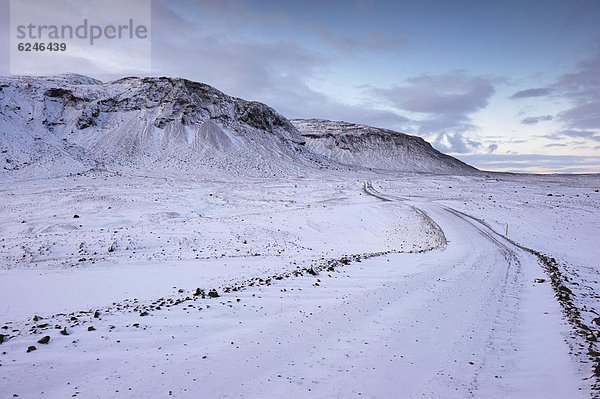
{"x": 533, "y": 120}
{"x": 451, "y": 93}
{"x": 584, "y": 134}
{"x": 445, "y": 101}
{"x": 372, "y": 42}
{"x": 584, "y": 115}
{"x": 537, "y": 92}
{"x": 534, "y": 163}
{"x": 455, "y": 143}
{"x": 576, "y": 133}
{"x": 491, "y": 148}
{"x": 582, "y": 89}
{"x": 556, "y": 145}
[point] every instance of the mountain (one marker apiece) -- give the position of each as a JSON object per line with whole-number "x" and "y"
{"x": 371, "y": 147}
{"x": 70, "y": 123}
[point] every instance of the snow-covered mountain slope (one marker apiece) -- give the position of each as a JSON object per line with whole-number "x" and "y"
{"x": 65, "y": 124}
{"x": 370, "y": 147}
{"x": 71, "y": 122}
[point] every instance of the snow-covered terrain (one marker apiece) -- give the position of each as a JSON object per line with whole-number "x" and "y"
{"x": 137, "y": 261}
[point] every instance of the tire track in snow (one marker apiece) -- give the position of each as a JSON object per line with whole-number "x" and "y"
{"x": 585, "y": 336}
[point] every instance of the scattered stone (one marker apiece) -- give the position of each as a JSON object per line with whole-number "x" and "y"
{"x": 76, "y": 216}
{"x": 596, "y": 321}
{"x": 44, "y": 340}
{"x": 31, "y": 349}
{"x": 591, "y": 337}
{"x": 64, "y": 331}
{"x": 564, "y": 292}
{"x": 144, "y": 313}
{"x": 1, "y": 338}
{"x": 539, "y": 280}
{"x": 213, "y": 293}
{"x": 96, "y": 314}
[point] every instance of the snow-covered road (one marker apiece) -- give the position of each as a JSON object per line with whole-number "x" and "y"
{"x": 464, "y": 320}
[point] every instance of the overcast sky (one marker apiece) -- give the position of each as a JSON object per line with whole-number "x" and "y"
{"x": 506, "y": 85}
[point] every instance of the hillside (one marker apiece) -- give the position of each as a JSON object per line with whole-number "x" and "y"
{"x": 74, "y": 123}
{"x": 66, "y": 124}
{"x": 371, "y": 147}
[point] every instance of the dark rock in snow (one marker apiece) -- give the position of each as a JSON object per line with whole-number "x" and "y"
{"x": 44, "y": 340}
{"x": 31, "y": 349}
{"x": 213, "y": 293}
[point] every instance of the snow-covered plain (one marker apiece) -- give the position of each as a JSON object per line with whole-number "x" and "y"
{"x": 339, "y": 285}
{"x": 160, "y": 238}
